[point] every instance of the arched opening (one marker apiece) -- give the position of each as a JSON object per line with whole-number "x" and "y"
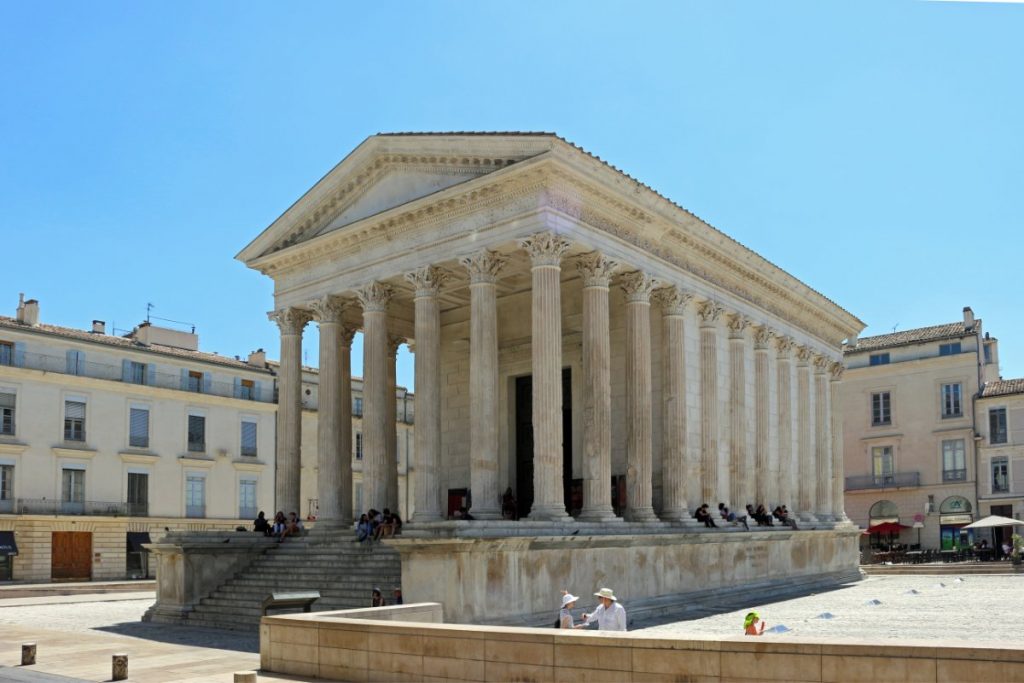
{"x": 955, "y": 512}
{"x": 883, "y": 511}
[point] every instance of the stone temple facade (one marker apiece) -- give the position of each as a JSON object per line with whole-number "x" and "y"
{"x": 555, "y": 306}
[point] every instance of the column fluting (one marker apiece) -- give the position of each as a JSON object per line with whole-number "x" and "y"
{"x": 328, "y": 313}
{"x": 345, "y": 502}
{"x": 762, "y": 407}
{"x": 709, "y": 312}
{"x": 374, "y": 298}
{"x": 391, "y": 443}
{"x": 291, "y": 322}
{"x": 786, "y": 465}
{"x": 838, "y": 473}
{"x": 823, "y": 438}
{"x": 738, "y": 470}
{"x": 639, "y": 410}
{"x": 807, "y": 485}
{"x": 676, "y": 467}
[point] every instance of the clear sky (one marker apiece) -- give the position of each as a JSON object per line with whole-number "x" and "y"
{"x": 872, "y": 149}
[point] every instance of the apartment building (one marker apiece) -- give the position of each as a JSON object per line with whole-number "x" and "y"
{"x": 1000, "y": 411}
{"x": 106, "y": 441}
{"x": 908, "y": 407}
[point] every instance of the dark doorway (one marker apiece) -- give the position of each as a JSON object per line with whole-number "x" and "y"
{"x": 1001, "y": 534}
{"x": 524, "y": 441}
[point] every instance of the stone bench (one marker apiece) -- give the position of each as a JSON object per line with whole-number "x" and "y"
{"x": 303, "y": 599}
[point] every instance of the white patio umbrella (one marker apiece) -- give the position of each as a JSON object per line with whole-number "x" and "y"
{"x": 992, "y": 521}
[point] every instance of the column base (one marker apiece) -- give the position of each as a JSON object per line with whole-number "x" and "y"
{"x": 808, "y": 517}
{"x": 676, "y": 515}
{"x": 600, "y": 513}
{"x": 323, "y": 525}
{"x": 548, "y": 513}
{"x": 641, "y": 515}
{"x": 825, "y": 517}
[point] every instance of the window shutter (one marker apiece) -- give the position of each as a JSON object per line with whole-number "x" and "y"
{"x": 256, "y": 390}
{"x": 184, "y": 379}
{"x": 238, "y": 388}
{"x": 74, "y": 410}
{"x": 151, "y": 374}
{"x": 72, "y": 362}
{"x": 7, "y": 399}
{"x": 207, "y": 382}
{"x": 139, "y": 428}
{"x": 19, "y": 354}
{"x": 126, "y": 370}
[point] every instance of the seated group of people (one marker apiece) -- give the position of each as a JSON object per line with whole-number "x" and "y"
{"x": 759, "y": 515}
{"x": 281, "y": 528}
{"x": 374, "y": 525}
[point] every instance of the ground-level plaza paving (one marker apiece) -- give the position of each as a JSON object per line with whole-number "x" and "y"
{"x": 981, "y": 609}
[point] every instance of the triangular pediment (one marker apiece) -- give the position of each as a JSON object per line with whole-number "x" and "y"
{"x": 389, "y": 171}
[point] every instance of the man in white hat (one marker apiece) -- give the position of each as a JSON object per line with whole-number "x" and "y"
{"x": 609, "y": 615}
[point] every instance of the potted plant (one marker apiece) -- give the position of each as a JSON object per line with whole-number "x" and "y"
{"x": 1018, "y": 548}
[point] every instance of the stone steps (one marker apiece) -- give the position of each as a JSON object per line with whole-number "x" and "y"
{"x": 945, "y": 569}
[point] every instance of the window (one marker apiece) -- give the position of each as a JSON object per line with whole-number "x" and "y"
{"x": 249, "y": 438}
{"x": 949, "y": 349}
{"x": 988, "y": 353}
{"x": 195, "y": 381}
{"x": 879, "y": 359}
{"x": 6, "y": 353}
{"x": 138, "y": 427}
{"x": 881, "y": 409}
{"x": 75, "y": 363}
{"x": 72, "y": 491}
{"x": 7, "y": 400}
{"x": 954, "y": 464}
{"x": 1000, "y": 478}
{"x": 74, "y": 421}
{"x": 951, "y": 400}
{"x": 136, "y": 373}
{"x": 359, "y": 445}
{"x": 197, "y": 433}
{"x": 138, "y": 494}
{"x": 996, "y": 425}
{"x": 881, "y": 464}
{"x": 6, "y": 488}
{"x": 195, "y": 496}
{"x": 247, "y": 390}
{"x": 357, "y": 408}
{"x": 247, "y": 499}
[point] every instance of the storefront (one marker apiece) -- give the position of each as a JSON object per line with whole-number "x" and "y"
{"x": 137, "y": 557}
{"x": 954, "y": 514}
{"x": 8, "y": 549}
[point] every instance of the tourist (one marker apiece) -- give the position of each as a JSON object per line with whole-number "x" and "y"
{"x": 732, "y": 517}
{"x": 279, "y": 524}
{"x": 508, "y": 504}
{"x": 609, "y": 615}
{"x": 1007, "y": 549}
{"x": 464, "y": 514}
{"x": 385, "y": 528}
{"x": 397, "y": 593}
{"x": 565, "y": 614}
{"x": 750, "y": 625}
{"x": 364, "y": 530}
{"x": 762, "y": 516}
{"x": 396, "y": 524}
{"x": 702, "y": 515}
{"x": 377, "y": 598}
{"x": 782, "y": 514}
{"x": 261, "y": 525}
{"x": 293, "y": 527}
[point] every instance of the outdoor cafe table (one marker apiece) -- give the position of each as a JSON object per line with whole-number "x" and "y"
{"x": 915, "y": 556}
{"x": 950, "y": 555}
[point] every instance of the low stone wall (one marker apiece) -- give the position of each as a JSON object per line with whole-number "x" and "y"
{"x": 517, "y": 579}
{"x": 341, "y": 646}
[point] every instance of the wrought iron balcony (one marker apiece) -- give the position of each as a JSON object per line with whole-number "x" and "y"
{"x": 883, "y": 481}
{"x": 954, "y": 475}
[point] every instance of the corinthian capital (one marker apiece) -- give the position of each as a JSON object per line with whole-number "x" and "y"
{"x": 545, "y": 248}
{"x": 290, "y": 320}
{"x": 803, "y": 354}
{"x": 596, "y": 269}
{"x": 837, "y": 370}
{"x": 709, "y": 312}
{"x": 483, "y": 266}
{"x": 822, "y": 363}
{"x": 328, "y": 309}
{"x": 784, "y": 345}
{"x": 637, "y": 286}
{"x": 374, "y": 297}
{"x": 347, "y": 335}
{"x": 737, "y": 322}
{"x": 393, "y": 343}
{"x": 672, "y": 300}
{"x": 427, "y": 280}
{"x": 762, "y": 337}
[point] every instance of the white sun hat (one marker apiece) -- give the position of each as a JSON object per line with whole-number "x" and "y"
{"x": 568, "y": 598}
{"x": 606, "y": 593}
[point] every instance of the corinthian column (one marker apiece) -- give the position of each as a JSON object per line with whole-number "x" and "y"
{"x": 838, "y": 474}
{"x": 345, "y": 429}
{"x": 709, "y": 312}
{"x": 676, "y": 467}
{"x": 762, "y": 466}
{"x": 427, "y": 281}
{"x": 391, "y": 450}
{"x": 786, "y": 464}
{"x": 823, "y": 438}
{"x": 328, "y": 312}
{"x": 639, "y": 418}
{"x": 596, "y": 271}
{"x": 374, "y": 298}
{"x": 290, "y": 321}
{"x": 546, "y": 250}
{"x": 738, "y": 471}
{"x": 806, "y": 479}
{"x": 483, "y": 268}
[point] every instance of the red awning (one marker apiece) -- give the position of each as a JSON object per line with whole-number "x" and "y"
{"x": 887, "y": 528}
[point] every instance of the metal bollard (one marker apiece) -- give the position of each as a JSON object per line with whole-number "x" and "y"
{"x": 245, "y": 677}
{"x": 28, "y": 654}
{"x": 119, "y": 667}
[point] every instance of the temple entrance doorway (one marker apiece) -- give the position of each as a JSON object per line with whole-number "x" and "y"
{"x": 524, "y": 441}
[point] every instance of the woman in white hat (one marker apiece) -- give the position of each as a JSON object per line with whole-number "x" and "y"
{"x": 609, "y": 615}
{"x": 565, "y": 614}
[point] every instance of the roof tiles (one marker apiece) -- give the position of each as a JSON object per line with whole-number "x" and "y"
{"x": 904, "y": 337}
{"x": 1003, "y": 387}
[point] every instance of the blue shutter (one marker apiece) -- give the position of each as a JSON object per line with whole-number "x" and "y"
{"x": 256, "y": 386}
{"x": 238, "y": 388}
{"x": 151, "y": 374}
{"x": 126, "y": 371}
{"x": 72, "y": 360}
{"x": 19, "y": 354}
{"x": 184, "y": 379}
{"x": 207, "y": 382}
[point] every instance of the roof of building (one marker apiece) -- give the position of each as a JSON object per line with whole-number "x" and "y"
{"x": 127, "y": 344}
{"x": 905, "y": 337}
{"x": 1003, "y": 387}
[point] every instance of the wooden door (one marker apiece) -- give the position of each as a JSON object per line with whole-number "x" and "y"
{"x": 71, "y": 555}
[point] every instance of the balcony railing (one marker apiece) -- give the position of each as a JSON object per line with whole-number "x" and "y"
{"x": 92, "y": 508}
{"x": 883, "y": 481}
{"x": 954, "y": 475}
{"x": 165, "y": 380}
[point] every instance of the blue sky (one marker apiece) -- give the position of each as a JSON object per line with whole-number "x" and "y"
{"x": 872, "y": 149}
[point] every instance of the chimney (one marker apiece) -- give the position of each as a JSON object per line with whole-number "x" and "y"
{"x": 258, "y": 358}
{"x": 99, "y": 327}
{"x": 968, "y": 318}
{"x": 20, "y": 313}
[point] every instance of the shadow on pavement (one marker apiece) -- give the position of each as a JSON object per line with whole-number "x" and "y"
{"x": 187, "y": 635}
{"x": 20, "y": 675}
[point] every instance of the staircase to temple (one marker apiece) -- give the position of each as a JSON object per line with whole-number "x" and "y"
{"x": 343, "y": 572}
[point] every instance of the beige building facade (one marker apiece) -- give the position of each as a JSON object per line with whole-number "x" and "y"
{"x": 909, "y": 429}
{"x": 106, "y": 441}
{"x": 1000, "y": 414}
